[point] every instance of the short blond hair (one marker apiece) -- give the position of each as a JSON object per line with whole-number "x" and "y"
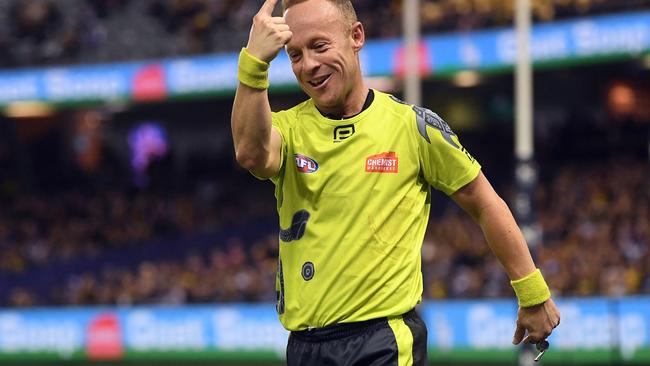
{"x": 345, "y": 6}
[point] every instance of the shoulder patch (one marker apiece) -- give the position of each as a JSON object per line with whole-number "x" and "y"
{"x": 425, "y": 117}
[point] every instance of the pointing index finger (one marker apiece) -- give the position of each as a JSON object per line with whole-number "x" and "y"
{"x": 267, "y": 7}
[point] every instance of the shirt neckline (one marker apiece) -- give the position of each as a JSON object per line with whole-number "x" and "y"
{"x": 368, "y": 105}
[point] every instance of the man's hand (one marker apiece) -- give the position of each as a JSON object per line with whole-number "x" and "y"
{"x": 268, "y": 34}
{"x": 538, "y": 320}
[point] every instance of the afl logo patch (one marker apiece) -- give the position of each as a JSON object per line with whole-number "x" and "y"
{"x": 305, "y": 164}
{"x": 308, "y": 271}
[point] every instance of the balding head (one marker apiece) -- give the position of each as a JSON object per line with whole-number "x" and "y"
{"x": 344, "y": 6}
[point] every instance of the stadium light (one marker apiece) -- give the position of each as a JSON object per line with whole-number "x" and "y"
{"x": 28, "y": 109}
{"x": 467, "y": 79}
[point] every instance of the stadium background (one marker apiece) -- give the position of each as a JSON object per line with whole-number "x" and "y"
{"x": 128, "y": 234}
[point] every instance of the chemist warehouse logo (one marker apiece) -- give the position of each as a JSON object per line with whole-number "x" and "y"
{"x": 382, "y": 163}
{"x": 305, "y": 164}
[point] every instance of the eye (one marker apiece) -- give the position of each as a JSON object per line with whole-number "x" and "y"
{"x": 294, "y": 57}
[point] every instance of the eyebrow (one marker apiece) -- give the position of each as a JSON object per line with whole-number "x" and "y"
{"x": 311, "y": 41}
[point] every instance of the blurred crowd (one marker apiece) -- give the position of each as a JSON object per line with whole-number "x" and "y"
{"x": 38, "y": 32}
{"x": 594, "y": 221}
{"x": 41, "y": 229}
{"x": 596, "y": 224}
{"x": 231, "y": 272}
{"x": 595, "y": 238}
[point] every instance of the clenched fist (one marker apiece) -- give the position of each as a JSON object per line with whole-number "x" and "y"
{"x": 268, "y": 34}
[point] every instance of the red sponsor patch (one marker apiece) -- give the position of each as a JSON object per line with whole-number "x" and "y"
{"x": 382, "y": 163}
{"x": 104, "y": 338}
{"x": 424, "y": 60}
{"x": 149, "y": 83}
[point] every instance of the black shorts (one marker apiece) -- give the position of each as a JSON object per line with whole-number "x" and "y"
{"x": 395, "y": 341}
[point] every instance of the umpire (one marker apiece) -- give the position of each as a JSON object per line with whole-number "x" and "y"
{"x": 353, "y": 170}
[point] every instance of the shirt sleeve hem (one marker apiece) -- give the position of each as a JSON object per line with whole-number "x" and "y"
{"x": 462, "y": 181}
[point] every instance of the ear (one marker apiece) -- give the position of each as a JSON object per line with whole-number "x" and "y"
{"x": 358, "y": 36}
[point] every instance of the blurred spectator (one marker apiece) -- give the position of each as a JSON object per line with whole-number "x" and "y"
{"x": 103, "y": 8}
{"x": 39, "y": 33}
{"x": 35, "y": 20}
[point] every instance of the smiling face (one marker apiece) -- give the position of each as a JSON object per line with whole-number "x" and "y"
{"x": 324, "y": 55}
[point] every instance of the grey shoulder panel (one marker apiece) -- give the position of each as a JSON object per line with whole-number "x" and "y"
{"x": 424, "y": 117}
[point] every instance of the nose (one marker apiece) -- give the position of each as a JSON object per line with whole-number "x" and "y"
{"x": 310, "y": 64}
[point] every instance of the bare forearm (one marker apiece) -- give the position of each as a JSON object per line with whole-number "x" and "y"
{"x": 251, "y": 126}
{"x": 505, "y": 239}
{"x": 484, "y": 205}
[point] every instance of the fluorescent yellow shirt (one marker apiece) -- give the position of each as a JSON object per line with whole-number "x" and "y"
{"x": 353, "y": 200}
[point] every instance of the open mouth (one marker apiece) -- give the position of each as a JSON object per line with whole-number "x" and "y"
{"x": 320, "y": 81}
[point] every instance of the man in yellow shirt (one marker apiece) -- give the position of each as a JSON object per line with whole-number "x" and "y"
{"x": 353, "y": 168}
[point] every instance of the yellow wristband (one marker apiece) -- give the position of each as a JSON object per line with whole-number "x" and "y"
{"x": 531, "y": 290}
{"x": 252, "y": 71}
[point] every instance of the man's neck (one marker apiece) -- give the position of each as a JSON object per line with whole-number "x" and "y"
{"x": 356, "y": 103}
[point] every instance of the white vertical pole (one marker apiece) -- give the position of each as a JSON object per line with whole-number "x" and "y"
{"x": 525, "y": 171}
{"x": 411, "y": 30}
{"x": 523, "y": 84}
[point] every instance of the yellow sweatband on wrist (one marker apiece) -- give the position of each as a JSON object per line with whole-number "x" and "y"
{"x": 531, "y": 290}
{"x": 252, "y": 71}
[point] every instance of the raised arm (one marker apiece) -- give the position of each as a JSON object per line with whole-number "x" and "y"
{"x": 257, "y": 143}
{"x": 506, "y": 241}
